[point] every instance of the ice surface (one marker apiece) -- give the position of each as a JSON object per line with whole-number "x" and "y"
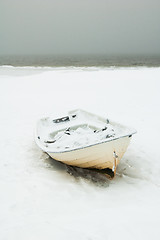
{"x": 39, "y": 199}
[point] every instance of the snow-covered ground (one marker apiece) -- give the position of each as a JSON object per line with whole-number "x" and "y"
{"x": 38, "y": 198}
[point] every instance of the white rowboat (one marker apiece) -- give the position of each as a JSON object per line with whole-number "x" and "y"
{"x": 93, "y": 148}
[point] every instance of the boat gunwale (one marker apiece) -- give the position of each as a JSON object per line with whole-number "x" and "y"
{"x": 88, "y": 146}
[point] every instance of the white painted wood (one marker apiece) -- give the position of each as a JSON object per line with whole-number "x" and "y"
{"x": 98, "y": 156}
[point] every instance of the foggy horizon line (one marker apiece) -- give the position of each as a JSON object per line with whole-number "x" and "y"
{"x": 81, "y": 54}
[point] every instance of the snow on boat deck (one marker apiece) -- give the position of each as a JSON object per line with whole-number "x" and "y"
{"x": 82, "y": 130}
{"x": 39, "y": 199}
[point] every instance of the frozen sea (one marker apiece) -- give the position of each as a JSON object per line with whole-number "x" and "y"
{"x": 38, "y": 198}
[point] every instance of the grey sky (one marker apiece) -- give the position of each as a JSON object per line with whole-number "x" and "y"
{"x": 80, "y": 27}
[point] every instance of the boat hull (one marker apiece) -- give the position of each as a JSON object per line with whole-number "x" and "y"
{"x": 98, "y": 156}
